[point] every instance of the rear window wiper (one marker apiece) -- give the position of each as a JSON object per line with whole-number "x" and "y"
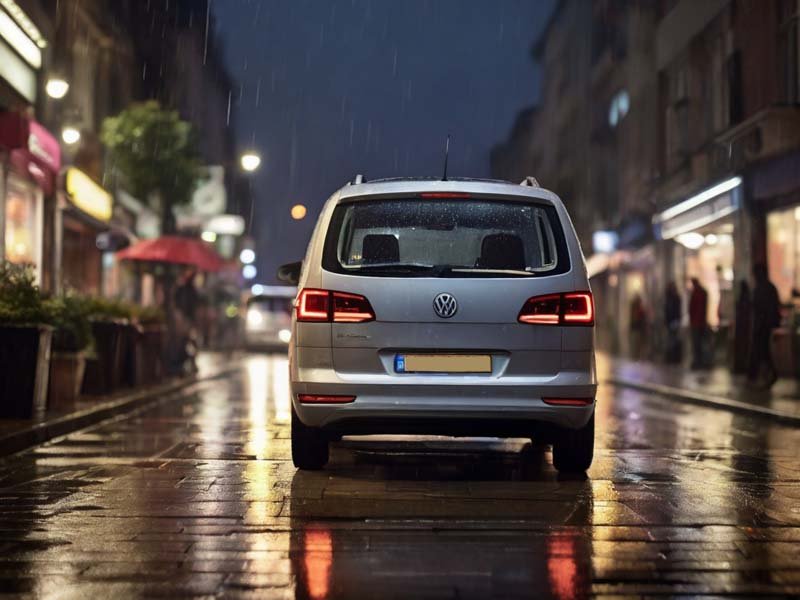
{"x": 392, "y": 267}
{"x": 478, "y": 271}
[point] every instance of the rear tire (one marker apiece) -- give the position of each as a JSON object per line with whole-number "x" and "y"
{"x": 573, "y": 449}
{"x": 309, "y": 446}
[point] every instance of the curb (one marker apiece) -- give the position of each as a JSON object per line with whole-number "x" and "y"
{"x": 719, "y": 402}
{"x": 45, "y": 431}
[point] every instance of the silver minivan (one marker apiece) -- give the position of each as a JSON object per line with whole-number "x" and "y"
{"x": 458, "y": 307}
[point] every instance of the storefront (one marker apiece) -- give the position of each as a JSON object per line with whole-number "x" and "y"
{"x": 86, "y": 211}
{"x": 31, "y": 158}
{"x": 707, "y": 239}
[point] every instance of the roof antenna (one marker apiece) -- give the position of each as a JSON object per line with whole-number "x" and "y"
{"x": 446, "y": 153}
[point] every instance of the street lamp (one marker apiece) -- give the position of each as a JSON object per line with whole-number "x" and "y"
{"x": 250, "y": 161}
{"x": 247, "y": 256}
{"x": 56, "y": 88}
{"x": 70, "y": 135}
{"x": 249, "y": 272}
{"x": 298, "y": 212}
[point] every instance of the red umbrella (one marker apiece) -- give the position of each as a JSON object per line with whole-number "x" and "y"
{"x": 176, "y": 250}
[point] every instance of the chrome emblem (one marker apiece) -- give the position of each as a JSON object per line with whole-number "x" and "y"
{"x": 445, "y": 305}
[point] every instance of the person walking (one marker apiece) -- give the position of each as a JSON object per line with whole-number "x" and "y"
{"x": 741, "y": 329}
{"x": 638, "y": 326}
{"x": 672, "y": 321}
{"x": 766, "y": 317}
{"x": 698, "y": 323}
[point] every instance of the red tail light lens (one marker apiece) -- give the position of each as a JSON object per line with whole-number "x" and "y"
{"x": 351, "y": 308}
{"x": 324, "y": 399}
{"x": 542, "y": 310}
{"x": 568, "y": 401}
{"x": 574, "y": 308}
{"x": 314, "y": 306}
{"x": 325, "y": 306}
{"x": 579, "y": 308}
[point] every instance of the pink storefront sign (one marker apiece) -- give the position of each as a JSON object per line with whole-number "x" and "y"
{"x": 33, "y": 150}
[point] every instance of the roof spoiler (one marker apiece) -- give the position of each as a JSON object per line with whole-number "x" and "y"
{"x": 530, "y": 181}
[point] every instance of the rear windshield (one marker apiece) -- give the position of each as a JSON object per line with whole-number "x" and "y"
{"x": 445, "y": 238}
{"x": 271, "y": 304}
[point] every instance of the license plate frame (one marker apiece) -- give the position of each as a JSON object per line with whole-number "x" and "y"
{"x": 443, "y": 364}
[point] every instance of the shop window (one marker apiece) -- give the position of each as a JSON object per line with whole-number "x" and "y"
{"x": 23, "y": 232}
{"x": 783, "y": 250}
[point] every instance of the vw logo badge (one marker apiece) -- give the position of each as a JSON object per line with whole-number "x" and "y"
{"x": 445, "y": 305}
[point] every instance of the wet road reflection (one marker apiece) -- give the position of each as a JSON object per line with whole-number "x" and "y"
{"x": 198, "y": 496}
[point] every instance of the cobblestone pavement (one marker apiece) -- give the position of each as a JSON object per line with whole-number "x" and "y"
{"x": 199, "y": 497}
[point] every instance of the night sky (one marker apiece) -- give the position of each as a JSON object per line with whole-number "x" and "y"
{"x": 329, "y": 89}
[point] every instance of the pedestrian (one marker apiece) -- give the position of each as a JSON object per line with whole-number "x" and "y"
{"x": 672, "y": 321}
{"x": 698, "y": 323}
{"x": 187, "y": 299}
{"x": 766, "y": 317}
{"x": 741, "y": 329}
{"x": 638, "y": 326}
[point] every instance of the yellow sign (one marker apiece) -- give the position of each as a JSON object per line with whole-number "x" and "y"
{"x": 88, "y": 196}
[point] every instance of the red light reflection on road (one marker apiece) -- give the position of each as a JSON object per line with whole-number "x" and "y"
{"x": 318, "y": 558}
{"x": 562, "y": 568}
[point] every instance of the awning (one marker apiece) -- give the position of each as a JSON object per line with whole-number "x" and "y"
{"x": 705, "y": 207}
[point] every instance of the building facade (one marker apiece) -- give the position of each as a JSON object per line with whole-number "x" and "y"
{"x": 64, "y": 68}
{"x": 673, "y": 138}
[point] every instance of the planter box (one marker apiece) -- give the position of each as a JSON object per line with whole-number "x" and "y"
{"x": 103, "y": 371}
{"x": 24, "y": 370}
{"x": 130, "y": 356}
{"x": 66, "y": 378}
{"x": 151, "y": 354}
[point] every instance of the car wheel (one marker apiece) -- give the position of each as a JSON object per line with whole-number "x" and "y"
{"x": 573, "y": 449}
{"x": 309, "y": 446}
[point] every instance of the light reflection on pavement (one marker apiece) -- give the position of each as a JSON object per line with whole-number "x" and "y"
{"x": 199, "y": 497}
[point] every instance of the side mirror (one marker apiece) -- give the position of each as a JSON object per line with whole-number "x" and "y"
{"x": 290, "y": 273}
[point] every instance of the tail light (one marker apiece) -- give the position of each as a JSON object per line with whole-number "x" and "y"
{"x": 324, "y": 399}
{"x": 325, "y": 306}
{"x": 573, "y": 308}
{"x": 568, "y": 401}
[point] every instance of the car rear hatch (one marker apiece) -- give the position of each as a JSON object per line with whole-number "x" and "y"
{"x": 443, "y": 280}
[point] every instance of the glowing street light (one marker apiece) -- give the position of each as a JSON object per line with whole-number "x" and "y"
{"x": 249, "y": 272}
{"x": 247, "y": 256}
{"x": 250, "y": 161}
{"x": 70, "y": 135}
{"x": 56, "y": 88}
{"x": 298, "y": 212}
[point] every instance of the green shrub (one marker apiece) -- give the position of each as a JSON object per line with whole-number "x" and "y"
{"x": 108, "y": 309}
{"x": 20, "y": 300}
{"x": 149, "y": 315}
{"x": 73, "y": 330}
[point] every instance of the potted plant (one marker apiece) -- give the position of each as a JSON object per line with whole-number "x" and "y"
{"x": 25, "y": 335}
{"x": 71, "y": 338}
{"x": 152, "y": 323}
{"x": 104, "y": 370}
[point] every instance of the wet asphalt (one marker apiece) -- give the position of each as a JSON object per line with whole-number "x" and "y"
{"x": 197, "y": 496}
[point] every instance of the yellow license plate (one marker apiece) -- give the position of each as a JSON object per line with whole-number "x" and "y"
{"x": 443, "y": 363}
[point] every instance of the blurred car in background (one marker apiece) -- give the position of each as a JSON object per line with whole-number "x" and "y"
{"x": 268, "y": 320}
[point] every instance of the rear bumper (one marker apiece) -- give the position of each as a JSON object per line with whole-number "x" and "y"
{"x": 444, "y": 405}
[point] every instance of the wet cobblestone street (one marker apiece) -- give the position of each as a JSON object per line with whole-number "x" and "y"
{"x": 198, "y": 496}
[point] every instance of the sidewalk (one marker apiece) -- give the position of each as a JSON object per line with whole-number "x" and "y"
{"x": 715, "y": 387}
{"x": 17, "y": 435}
